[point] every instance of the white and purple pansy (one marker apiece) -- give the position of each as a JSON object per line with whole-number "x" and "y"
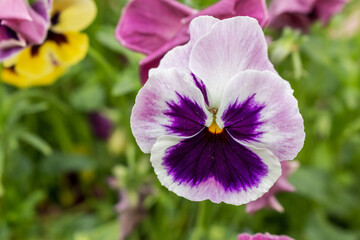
{"x": 216, "y": 117}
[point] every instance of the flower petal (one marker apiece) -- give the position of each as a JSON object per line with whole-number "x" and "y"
{"x": 72, "y": 50}
{"x": 153, "y": 60}
{"x": 21, "y": 81}
{"x": 35, "y": 30}
{"x": 260, "y": 236}
{"x": 167, "y": 104}
{"x": 72, "y": 15}
{"x": 43, "y": 8}
{"x": 293, "y": 20}
{"x": 268, "y": 200}
{"x": 179, "y": 56}
{"x": 215, "y": 167}
{"x": 146, "y": 25}
{"x": 233, "y": 8}
{"x": 325, "y": 9}
{"x": 243, "y": 47}
{"x": 10, "y": 43}
{"x": 278, "y": 7}
{"x": 34, "y": 62}
{"x": 259, "y": 108}
{"x": 14, "y": 10}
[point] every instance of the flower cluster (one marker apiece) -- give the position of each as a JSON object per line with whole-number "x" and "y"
{"x": 141, "y": 29}
{"x": 40, "y": 41}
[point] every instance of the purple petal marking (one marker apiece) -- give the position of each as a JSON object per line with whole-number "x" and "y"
{"x": 242, "y": 119}
{"x": 202, "y": 87}
{"x": 186, "y": 116}
{"x": 42, "y": 8}
{"x": 9, "y": 42}
{"x": 206, "y": 155}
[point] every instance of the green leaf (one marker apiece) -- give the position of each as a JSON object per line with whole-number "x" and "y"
{"x": 88, "y": 98}
{"x": 311, "y": 183}
{"x": 24, "y": 108}
{"x": 35, "y": 141}
{"x": 127, "y": 83}
{"x": 320, "y": 229}
{"x": 60, "y": 163}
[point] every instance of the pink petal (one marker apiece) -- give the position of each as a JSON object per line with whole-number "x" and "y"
{"x": 14, "y": 10}
{"x": 153, "y": 60}
{"x": 179, "y": 56}
{"x": 146, "y": 25}
{"x": 293, "y": 20}
{"x": 233, "y": 45}
{"x": 260, "y": 236}
{"x": 278, "y": 7}
{"x": 325, "y": 9}
{"x": 269, "y": 200}
{"x": 33, "y": 31}
{"x": 233, "y": 8}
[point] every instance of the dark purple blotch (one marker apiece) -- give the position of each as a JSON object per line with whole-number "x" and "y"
{"x": 186, "y": 116}
{"x": 219, "y": 156}
{"x": 242, "y": 119}
{"x": 199, "y": 84}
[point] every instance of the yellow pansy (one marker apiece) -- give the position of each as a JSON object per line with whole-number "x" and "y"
{"x": 42, "y": 65}
{"x": 64, "y": 46}
{"x": 72, "y": 15}
{"x": 72, "y": 51}
{"x": 11, "y": 77}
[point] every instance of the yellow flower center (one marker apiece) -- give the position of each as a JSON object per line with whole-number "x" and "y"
{"x": 214, "y": 128}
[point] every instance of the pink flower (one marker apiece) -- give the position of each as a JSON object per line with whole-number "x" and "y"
{"x": 22, "y": 25}
{"x": 268, "y": 200}
{"x": 260, "y": 236}
{"x": 153, "y": 27}
{"x": 131, "y": 207}
{"x": 301, "y": 13}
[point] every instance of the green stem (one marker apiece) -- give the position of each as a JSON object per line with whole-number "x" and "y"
{"x": 2, "y": 160}
{"x": 199, "y": 230}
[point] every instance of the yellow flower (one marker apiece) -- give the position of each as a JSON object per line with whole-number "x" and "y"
{"x": 64, "y": 46}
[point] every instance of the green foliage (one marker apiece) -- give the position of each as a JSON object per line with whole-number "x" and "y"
{"x": 54, "y": 172}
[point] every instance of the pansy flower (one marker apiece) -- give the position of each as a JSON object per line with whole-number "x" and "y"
{"x": 22, "y": 25}
{"x": 260, "y": 236}
{"x": 268, "y": 200}
{"x": 216, "y": 117}
{"x": 301, "y": 13}
{"x": 153, "y": 27}
{"x": 63, "y": 47}
{"x": 101, "y": 125}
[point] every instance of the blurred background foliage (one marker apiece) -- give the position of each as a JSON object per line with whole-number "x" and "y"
{"x": 59, "y": 181}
